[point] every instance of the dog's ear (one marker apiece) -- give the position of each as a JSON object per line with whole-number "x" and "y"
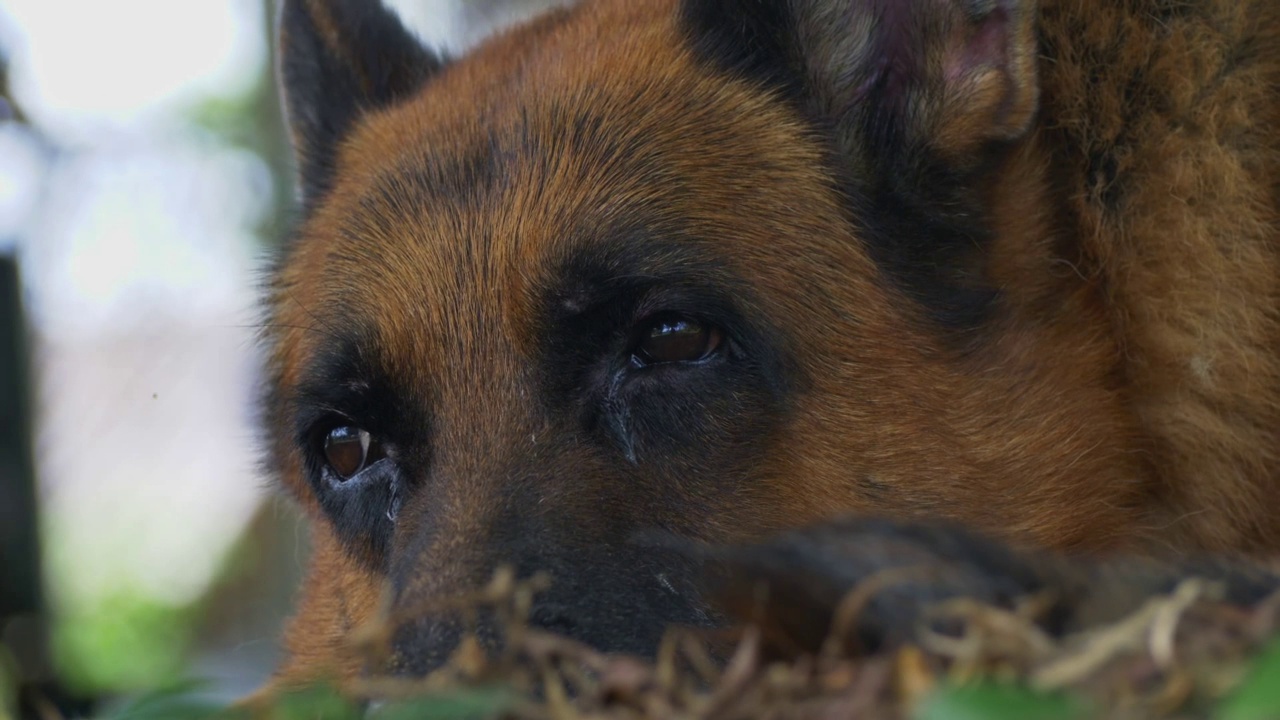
{"x": 920, "y": 101}
{"x": 339, "y": 59}
{"x": 949, "y": 74}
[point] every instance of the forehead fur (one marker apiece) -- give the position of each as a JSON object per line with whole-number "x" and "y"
{"x": 461, "y": 204}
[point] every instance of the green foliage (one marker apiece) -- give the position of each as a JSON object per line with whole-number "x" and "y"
{"x": 314, "y": 702}
{"x": 463, "y": 705}
{"x": 126, "y": 643}
{"x": 992, "y": 701}
{"x": 181, "y": 702}
{"x": 175, "y": 702}
{"x": 1258, "y": 697}
{"x": 8, "y": 686}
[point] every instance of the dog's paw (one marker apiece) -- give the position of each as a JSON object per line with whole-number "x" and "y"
{"x": 873, "y": 583}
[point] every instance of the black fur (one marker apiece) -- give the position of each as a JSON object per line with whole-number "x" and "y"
{"x": 920, "y": 216}
{"x": 597, "y": 594}
{"x": 344, "y": 387}
{"x": 753, "y": 39}
{"x": 329, "y": 81}
{"x": 930, "y": 238}
{"x": 793, "y": 584}
{"x": 602, "y": 297}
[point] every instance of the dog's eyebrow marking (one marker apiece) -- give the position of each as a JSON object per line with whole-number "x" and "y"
{"x": 328, "y": 381}
{"x": 346, "y": 378}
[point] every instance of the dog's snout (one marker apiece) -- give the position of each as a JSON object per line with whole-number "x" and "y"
{"x": 616, "y": 606}
{"x": 424, "y": 644}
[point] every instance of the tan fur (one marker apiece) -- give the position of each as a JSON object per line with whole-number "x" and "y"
{"x": 1185, "y": 110}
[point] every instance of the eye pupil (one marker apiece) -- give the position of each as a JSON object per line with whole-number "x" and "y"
{"x": 677, "y": 339}
{"x": 347, "y": 450}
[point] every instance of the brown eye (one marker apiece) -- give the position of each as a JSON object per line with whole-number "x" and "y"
{"x": 677, "y": 339}
{"x": 349, "y": 449}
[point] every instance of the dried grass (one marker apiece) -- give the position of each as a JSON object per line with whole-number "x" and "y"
{"x": 1169, "y": 658}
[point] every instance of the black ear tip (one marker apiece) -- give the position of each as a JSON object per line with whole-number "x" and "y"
{"x": 338, "y": 59}
{"x": 296, "y": 24}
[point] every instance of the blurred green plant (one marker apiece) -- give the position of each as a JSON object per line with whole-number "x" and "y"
{"x": 132, "y": 642}
{"x": 181, "y": 702}
{"x": 994, "y": 701}
{"x": 127, "y": 642}
{"x": 8, "y": 686}
{"x": 1258, "y": 697}
{"x": 178, "y": 701}
{"x": 462, "y": 705}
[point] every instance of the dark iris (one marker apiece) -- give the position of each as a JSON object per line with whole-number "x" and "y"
{"x": 676, "y": 338}
{"x": 349, "y": 450}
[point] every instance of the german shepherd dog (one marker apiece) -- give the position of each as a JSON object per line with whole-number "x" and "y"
{"x": 987, "y": 286}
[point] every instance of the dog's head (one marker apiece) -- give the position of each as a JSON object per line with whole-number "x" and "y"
{"x": 708, "y": 268}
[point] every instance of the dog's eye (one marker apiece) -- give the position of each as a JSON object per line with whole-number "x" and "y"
{"x": 348, "y": 450}
{"x": 676, "y": 338}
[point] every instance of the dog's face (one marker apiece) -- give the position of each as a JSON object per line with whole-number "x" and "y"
{"x": 702, "y": 269}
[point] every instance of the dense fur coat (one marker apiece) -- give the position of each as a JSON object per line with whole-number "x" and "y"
{"x": 1163, "y": 117}
{"x": 1007, "y": 266}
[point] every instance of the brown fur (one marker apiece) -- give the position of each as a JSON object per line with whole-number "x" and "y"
{"x": 1125, "y": 394}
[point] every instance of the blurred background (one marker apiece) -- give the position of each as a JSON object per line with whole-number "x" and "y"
{"x": 143, "y": 181}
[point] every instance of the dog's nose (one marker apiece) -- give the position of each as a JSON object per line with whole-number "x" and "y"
{"x": 425, "y": 644}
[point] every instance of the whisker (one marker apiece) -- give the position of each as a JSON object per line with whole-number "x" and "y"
{"x": 333, "y": 333}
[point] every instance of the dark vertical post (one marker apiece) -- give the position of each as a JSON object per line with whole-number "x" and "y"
{"x": 24, "y": 621}
{"x": 21, "y": 621}
{"x": 19, "y": 559}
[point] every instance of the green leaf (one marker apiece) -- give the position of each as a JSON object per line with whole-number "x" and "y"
{"x": 175, "y": 702}
{"x": 320, "y": 701}
{"x": 469, "y": 705}
{"x": 990, "y": 701}
{"x": 1258, "y": 697}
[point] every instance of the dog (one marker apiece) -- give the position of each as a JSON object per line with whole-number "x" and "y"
{"x": 997, "y": 279}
